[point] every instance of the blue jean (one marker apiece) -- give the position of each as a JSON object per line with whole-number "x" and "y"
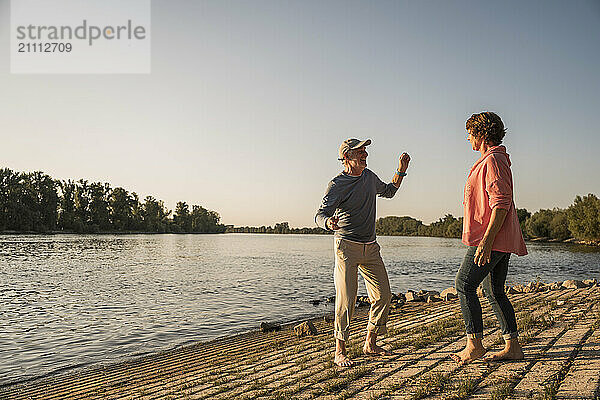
{"x": 493, "y": 276}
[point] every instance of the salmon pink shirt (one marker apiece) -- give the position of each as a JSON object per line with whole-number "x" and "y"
{"x": 490, "y": 185}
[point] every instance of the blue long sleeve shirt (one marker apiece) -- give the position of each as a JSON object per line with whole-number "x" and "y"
{"x": 353, "y": 200}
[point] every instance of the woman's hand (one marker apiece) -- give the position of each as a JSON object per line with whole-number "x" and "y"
{"x": 483, "y": 254}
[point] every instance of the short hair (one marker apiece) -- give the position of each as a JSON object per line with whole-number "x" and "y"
{"x": 487, "y": 126}
{"x": 346, "y": 155}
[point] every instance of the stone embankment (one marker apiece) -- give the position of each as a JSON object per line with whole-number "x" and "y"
{"x": 582, "y": 242}
{"x": 559, "y": 325}
{"x": 431, "y": 296}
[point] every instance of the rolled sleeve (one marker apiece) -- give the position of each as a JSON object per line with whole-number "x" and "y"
{"x": 498, "y": 183}
{"x": 499, "y": 194}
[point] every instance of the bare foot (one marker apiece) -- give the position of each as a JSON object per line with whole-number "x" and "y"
{"x": 468, "y": 355}
{"x": 506, "y": 354}
{"x": 374, "y": 350}
{"x": 342, "y": 360}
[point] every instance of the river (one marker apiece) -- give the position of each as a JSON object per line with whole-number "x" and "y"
{"x": 69, "y": 301}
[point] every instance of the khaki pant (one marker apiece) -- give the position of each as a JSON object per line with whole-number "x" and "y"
{"x": 351, "y": 257}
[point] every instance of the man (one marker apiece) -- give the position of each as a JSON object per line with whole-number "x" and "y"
{"x": 348, "y": 208}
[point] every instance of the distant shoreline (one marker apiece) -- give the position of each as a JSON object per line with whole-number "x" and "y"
{"x": 569, "y": 240}
{"x": 592, "y": 243}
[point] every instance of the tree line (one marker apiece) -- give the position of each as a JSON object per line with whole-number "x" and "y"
{"x": 280, "y": 228}
{"x": 35, "y": 202}
{"x": 386, "y": 226}
{"x": 580, "y": 221}
{"x": 448, "y": 226}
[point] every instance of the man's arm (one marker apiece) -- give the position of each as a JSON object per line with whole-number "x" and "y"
{"x": 331, "y": 201}
{"x": 402, "y": 167}
{"x": 390, "y": 189}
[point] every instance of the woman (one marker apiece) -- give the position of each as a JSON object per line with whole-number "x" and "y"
{"x": 492, "y": 232}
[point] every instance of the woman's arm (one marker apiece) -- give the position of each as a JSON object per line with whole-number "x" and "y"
{"x": 483, "y": 253}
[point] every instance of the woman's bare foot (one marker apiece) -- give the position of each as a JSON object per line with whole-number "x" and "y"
{"x": 505, "y": 355}
{"x": 512, "y": 351}
{"x": 342, "y": 360}
{"x": 472, "y": 351}
{"x": 374, "y": 350}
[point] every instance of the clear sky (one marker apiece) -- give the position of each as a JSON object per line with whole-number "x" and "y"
{"x": 248, "y": 102}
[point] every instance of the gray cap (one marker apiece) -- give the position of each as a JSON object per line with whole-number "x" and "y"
{"x": 351, "y": 144}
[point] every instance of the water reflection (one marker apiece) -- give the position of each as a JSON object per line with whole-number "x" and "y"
{"x": 72, "y": 300}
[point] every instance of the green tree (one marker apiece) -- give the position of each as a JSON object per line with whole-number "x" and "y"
{"x": 448, "y": 226}
{"x": 403, "y": 226}
{"x": 522, "y": 215}
{"x": 282, "y": 227}
{"x": 47, "y": 191}
{"x": 98, "y": 206}
{"x": 137, "y": 212}
{"x": 66, "y": 210}
{"x": 120, "y": 204}
{"x": 154, "y": 215}
{"x": 5, "y": 178}
{"x": 29, "y": 216}
{"x": 81, "y": 211}
{"x": 203, "y": 221}
{"x": 548, "y": 224}
{"x": 182, "y": 218}
{"x": 538, "y": 225}
{"x": 584, "y": 217}
{"x": 454, "y": 228}
{"x": 39, "y": 199}
{"x": 11, "y": 206}
{"x": 559, "y": 225}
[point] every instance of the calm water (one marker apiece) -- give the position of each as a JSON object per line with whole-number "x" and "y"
{"x": 68, "y": 301}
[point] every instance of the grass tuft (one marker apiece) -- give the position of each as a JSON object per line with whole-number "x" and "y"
{"x": 464, "y": 388}
{"x": 353, "y": 349}
{"x": 430, "y": 384}
{"x": 277, "y": 344}
{"x": 502, "y": 391}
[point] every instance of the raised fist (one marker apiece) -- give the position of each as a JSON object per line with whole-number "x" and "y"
{"x": 403, "y": 162}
